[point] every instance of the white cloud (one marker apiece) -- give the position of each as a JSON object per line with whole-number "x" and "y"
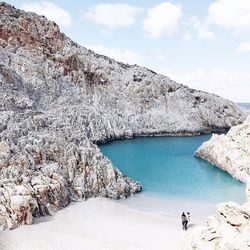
{"x": 113, "y": 16}
{"x": 187, "y": 37}
{"x": 51, "y": 11}
{"x": 244, "y": 47}
{"x": 162, "y": 20}
{"x": 230, "y": 14}
{"x": 201, "y": 28}
{"x": 231, "y": 85}
{"x": 161, "y": 58}
{"x": 121, "y": 55}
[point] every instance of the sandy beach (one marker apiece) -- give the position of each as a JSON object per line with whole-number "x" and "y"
{"x": 99, "y": 224}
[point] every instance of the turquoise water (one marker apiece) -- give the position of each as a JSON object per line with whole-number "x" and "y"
{"x": 166, "y": 168}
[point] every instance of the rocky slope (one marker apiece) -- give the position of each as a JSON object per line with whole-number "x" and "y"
{"x": 230, "y": 227}
{"x": 228, "y": 230}
{"x": 230, "y": 152}
{"x": 57, "y": 99}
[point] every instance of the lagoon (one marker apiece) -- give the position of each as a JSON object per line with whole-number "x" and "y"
{"x": 167, "y": 169}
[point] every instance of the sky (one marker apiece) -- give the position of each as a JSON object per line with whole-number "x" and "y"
{"x": 203, "y": 44}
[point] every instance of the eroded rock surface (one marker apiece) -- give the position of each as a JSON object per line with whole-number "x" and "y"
{"x": 58, "y": 98}
{"x": 228, "y": 230}
{"x": 230, "y": 152}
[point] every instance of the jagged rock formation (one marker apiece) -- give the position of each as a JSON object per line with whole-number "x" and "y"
{"x": 230, "y": 152}
{"x": 57, "y": 99}
{"x": 227, "y": 230}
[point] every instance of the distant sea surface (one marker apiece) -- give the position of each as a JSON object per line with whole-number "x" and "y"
{"x": 244, "y": 105}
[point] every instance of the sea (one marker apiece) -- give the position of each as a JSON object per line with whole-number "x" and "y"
{"x": 171, "y": 176}
{"x": 244, "y": 105}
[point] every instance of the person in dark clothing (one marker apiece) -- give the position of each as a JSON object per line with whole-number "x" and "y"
{"x": 184, "y": 221}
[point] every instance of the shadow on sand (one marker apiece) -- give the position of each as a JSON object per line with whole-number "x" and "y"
{"x": 43, "y": 219}
{"x": 190, "y": 225}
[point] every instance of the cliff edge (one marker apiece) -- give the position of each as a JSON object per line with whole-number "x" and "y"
{"x": 230, "y": 152}
{"x": 229, "y": 228}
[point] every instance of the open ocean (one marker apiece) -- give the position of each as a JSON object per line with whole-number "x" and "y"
{"x": 244, "y": 105}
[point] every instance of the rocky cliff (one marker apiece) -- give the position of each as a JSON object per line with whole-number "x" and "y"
{"x": 229, "y": 228}
{"x": 57, "y": 99}
{"x": 230, "y": 152}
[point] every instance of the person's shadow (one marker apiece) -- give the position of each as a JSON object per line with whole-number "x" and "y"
{"x": 190, "y": 225}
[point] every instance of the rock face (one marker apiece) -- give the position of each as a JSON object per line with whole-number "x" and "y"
{"x": 230, "y": 152}
{"x": 57, "y": 99}
{"x": 228, "y": 230}
{"x": 230, "y": 227}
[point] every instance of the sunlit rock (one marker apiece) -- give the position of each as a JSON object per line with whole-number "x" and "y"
{"x": 230, "y": 152}
{"x": 230, "y": 227}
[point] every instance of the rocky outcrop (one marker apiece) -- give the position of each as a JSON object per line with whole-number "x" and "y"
{"x": 227, "y": 230}
{"x": 57, "y": 99}
{"x": 230, "y": 152}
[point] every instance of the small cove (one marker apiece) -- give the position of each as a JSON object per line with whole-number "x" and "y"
{"x": 170, "y": 174}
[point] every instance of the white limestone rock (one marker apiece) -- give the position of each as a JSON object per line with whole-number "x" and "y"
{"x": 23, "y": 206}
{"x": 228, "y": 230}
{"x": 4, "y": 154}
{"x": 230, "y": 152}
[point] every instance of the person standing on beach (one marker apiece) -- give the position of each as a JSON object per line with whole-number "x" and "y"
{"x": 188, "y": 217}
{"x": 184, "y": 221}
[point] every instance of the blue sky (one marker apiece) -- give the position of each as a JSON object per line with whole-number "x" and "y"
{"x": 203, "y": 44}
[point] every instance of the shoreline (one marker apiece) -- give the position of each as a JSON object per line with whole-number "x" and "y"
{"x": 169, "y": 206}
{"x": 100, "y": 223}
{"x": 158, "y": 134}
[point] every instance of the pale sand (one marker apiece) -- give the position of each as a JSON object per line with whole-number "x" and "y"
{"x": 99, "y": 224}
